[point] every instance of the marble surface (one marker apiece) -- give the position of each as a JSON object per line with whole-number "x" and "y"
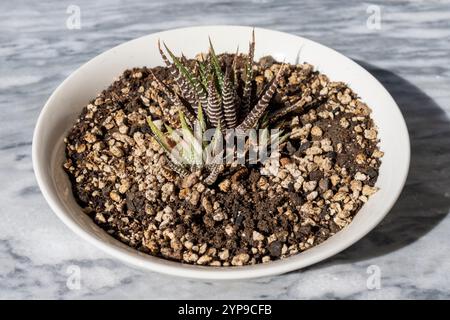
{"x": 409, "y": 54}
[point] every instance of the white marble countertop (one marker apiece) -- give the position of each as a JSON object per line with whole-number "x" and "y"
{"x": 409, "y": 54}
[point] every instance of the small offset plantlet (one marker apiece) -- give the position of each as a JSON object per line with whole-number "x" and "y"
{"x": 209, "y": 97}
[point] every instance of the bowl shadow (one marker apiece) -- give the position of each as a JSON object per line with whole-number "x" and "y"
{"x": 425, "y": 199}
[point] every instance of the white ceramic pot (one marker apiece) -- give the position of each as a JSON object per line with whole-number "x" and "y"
{"x": 66, "y": 103}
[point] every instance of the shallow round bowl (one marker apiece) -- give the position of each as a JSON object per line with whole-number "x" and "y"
{"x": 66, "y": 103}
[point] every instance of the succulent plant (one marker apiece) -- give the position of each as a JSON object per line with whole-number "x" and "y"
{"x": 208, "y": 97}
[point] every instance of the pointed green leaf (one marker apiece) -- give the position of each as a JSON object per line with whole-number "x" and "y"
{"x": 234, "y": 68}
{"x": 201, "y": 118}
{"x": 164, "y": 142}
{"x": 193, "y": 80}
{"x": 183, "y": 122}
{"x": 180, "y": 66}
{"x": 200, "y": 126}
{"x": 191, "y": 144}
{"x": 202, "y": 73}
{"x": 168, "y": 128}
{"x": 160, "y": 137}
{"x": 248, "y": 72}
{"x": 216, "y": 66}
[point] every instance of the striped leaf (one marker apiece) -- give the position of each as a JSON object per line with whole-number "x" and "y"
{"x": 213, "y": 175}
{"x": 214, "y": 108}
{"x": 255, "y": 114}
{"x": 248, "y": 72}
{"x": 186, "y": 90}
{"x": 179, "y": 169}
{"x": 202, "y": 73}
{"x": 216, "y": 66}
{"x": 298, "y": 106}
{"x": 174, "y": 98}
{"x": 159, "y": 136}
{"x": 235, "y": 69}
{"x": 190, "y": 77}
{"x": 200, "y": 126}
{"x": 229, "y": 101}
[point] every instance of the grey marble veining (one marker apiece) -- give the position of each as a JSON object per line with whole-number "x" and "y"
{"x": 410, "y": 55}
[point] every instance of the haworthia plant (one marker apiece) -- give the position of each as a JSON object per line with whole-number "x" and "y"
{"x": 209, "y": 98}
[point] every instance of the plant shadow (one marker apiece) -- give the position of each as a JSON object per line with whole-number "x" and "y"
{"x": 425, "y": 199}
